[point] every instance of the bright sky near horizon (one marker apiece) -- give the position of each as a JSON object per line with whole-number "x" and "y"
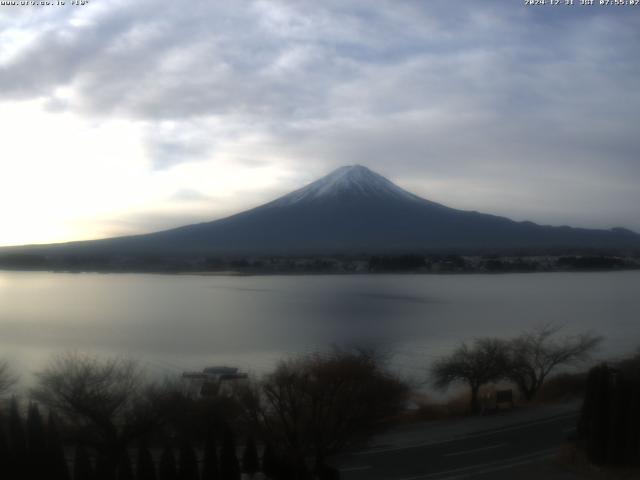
{"x": 122, "y": 117}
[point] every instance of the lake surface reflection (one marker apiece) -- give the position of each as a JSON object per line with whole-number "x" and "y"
{"x": 177, "y": 322}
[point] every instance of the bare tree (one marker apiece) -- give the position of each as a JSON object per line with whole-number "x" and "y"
{"x": 7, "y": 379}
{"x": 483, "y": 362}
{"x": 103, "y": 398}
{"x": 318, "y": 404}
{"x": 535, "y": 354}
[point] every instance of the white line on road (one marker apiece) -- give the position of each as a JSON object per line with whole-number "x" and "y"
{"x": 375, "y": 451}
{"x": 355, "y": 469}
{"x": 569, "y": 429}
{"x": 464, "y": 452}
{"x": 482, "y": 468}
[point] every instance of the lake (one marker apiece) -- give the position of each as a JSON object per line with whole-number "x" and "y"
{"x": 178, "y": 322}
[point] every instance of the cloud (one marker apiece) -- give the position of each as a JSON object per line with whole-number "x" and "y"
{"x": 189, "y": 195}
{"x": 172, "y": 143}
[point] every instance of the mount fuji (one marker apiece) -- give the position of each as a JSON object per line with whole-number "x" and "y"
{"x": 351, "y": 210}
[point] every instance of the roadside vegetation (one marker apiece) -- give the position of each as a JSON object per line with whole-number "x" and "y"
{"x": 606, "y": 445}
{"x": 525, "y": 361}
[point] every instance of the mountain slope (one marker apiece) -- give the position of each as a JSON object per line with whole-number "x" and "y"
{"x": 351, "y": 210}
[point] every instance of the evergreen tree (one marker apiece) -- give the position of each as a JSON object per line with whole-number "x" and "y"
{"x": 229, "y": 466}
{"x": 287, "y": 469}
{"x": 82, "y": 468}
{"x": 326, "y": 472}
{"x": 610, "y": 416}
{"x": 5, "y": 464}
{"x": 188, "y": 462}
{"x": 250, "y": 461}
{"x": 36, "y": 444}
{"x": 57, "y": 463}
{"x": 210, "y": 467}
{"x": 633, "y": 432}
{"x": 270, "y": 462}
{"x": 17, "y": 442}
{"x": 105, "y": 470}
{"x": 146, "y": 469}
{"x": 167, "y": 470}
{"x": 16, "y": 429}
{"x": 125, "y": 472}
{"x": 598, "y": 416}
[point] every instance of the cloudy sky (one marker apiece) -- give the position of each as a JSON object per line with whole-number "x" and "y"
{"x": 121, "y": 117}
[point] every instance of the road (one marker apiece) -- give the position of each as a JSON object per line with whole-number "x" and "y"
{"x": 491, "y": 454}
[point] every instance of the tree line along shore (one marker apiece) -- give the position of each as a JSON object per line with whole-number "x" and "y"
{"x": 327, "y": 264}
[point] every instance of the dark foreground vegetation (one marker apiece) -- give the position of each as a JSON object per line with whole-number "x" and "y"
{"x": 92, "y": 419}
{"x": 106, "y": 421}
{"x": 609, "y": 426}
{"x": 502, "y": 262}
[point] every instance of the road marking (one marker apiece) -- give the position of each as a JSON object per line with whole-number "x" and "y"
{"x": 355, "y": 469}
{"x": 375, "y": 451}
{"x": 483, "y": 468}
{"x": 569, "y": 429}
{"x": 464, "y": 452}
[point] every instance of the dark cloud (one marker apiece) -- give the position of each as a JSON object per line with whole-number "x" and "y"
{"x": 166, "y": 149}
{"x": 536, "y": 103}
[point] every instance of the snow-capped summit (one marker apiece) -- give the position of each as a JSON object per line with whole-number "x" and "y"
{"x": 350, "y": 181}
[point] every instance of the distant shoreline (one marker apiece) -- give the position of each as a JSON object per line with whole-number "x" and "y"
{"x": 336, "y": 265}
{"x": 231, "y": 273}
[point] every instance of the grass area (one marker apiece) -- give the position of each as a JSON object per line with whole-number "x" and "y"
{"x": 561, "y": 388}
